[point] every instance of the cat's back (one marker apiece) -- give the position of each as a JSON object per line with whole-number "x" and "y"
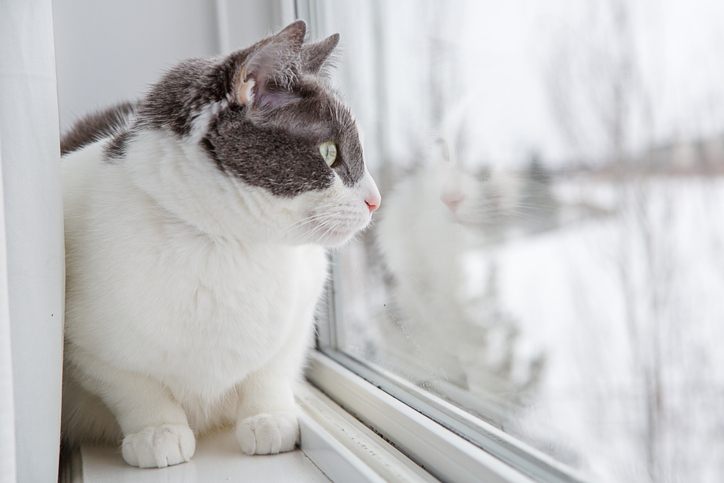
{"x": 84, "y": 150}
{"x": 98, "y": 125}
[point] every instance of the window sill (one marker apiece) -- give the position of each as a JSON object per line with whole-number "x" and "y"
{"x": 217, "y": 458}
{"x": 443, "y": 453}
{"x": 334, "y": 447}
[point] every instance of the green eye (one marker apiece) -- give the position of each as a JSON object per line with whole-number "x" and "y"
{"x": 329, "y": 152}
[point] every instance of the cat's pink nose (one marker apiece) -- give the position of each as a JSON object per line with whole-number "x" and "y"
{"x": 373, "y": 201}
{"x": 371, "y": 193}
{"x": 452, "y": 199}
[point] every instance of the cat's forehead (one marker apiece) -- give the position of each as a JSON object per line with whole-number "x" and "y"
{"x": 319, "y": 112}
{"x": 331, "y": 103}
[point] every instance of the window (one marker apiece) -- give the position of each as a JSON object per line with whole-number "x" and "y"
{"x": 543, "y": 275}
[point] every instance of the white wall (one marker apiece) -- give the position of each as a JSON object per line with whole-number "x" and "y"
{"x": 108, "y": 52}
{"x": 243, "y": 22}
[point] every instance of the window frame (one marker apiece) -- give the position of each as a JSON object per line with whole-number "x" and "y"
{"x": 443, "y": 453}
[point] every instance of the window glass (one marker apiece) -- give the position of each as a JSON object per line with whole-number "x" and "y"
{"x": 549, "y": 253}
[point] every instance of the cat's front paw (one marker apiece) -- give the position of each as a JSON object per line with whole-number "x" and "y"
{"x": 268, "y": 433}
{"x": 159, "y": 446}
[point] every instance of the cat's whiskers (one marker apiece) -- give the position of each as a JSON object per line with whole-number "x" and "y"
{"x": 321, "y": 219}
{"x": 326, "y": 227}
{"x": 326, "y": 236}
{"x": 323, "y": 225}
{"x": 305, "y": 221}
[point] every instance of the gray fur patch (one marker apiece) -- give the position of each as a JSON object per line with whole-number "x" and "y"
{"x": 116, "y": 148}
{"x": 176, "y": 100}
{"x": 93, "y": 127}
{"x": 267, "y": 157}
{"x": 279, "y": 149}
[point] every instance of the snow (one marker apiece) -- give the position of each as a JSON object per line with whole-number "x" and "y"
{"x": 565, "y": 288}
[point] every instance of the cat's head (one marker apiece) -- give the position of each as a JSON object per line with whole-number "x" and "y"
{"x": 284, "y": 149}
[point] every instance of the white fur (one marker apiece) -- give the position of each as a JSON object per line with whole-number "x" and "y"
{"x": 201, "y": 121}
{"x": 190, "y": 298}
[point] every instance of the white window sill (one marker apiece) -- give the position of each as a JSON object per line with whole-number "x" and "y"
{"x": 217, "y": 458}
{"x": 334, "y": 447}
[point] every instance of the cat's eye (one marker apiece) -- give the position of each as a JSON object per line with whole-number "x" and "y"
{"x": 329, "y": 152}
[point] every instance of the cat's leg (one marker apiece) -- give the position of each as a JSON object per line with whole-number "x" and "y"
{"x": 266, "y": 420}
{"x": 266, "y": 415}
{"x": 155, "y": 429}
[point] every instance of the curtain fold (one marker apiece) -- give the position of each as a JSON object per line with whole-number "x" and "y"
{"x": 32, "y": 267}
{"x": 7, "y": 414}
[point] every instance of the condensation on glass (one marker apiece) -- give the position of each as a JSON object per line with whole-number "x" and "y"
{"x": 549, "y": 253}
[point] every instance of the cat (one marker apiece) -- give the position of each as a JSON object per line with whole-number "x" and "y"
{"x": 196, "y": 227}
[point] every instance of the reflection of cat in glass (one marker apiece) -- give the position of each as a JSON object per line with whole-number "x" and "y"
{"x": 446, "y": 322}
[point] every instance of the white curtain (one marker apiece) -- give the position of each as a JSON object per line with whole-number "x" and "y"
{"x": 7, "y": 420}
{"x": 31, "y": 245}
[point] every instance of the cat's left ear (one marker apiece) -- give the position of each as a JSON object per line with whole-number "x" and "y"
{"x": 315, "y": 55}
{"x": 265, "y": 77}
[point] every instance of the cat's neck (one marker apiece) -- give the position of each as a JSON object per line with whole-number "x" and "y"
{"x": 181, "y": 181}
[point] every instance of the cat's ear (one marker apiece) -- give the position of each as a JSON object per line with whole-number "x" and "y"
{"x": 266, "y": 75}
{"x": 315, "y": 55}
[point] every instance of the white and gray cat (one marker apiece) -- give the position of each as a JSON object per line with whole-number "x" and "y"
{"x": 196, "y": 222}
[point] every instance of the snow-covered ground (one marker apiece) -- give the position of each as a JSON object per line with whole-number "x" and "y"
{"x": 622, "y": 303}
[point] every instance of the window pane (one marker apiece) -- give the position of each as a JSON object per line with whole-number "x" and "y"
{"x": 549, "y": 253}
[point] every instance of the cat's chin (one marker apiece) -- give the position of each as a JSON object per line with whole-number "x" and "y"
{"x": 336, "y": 239}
